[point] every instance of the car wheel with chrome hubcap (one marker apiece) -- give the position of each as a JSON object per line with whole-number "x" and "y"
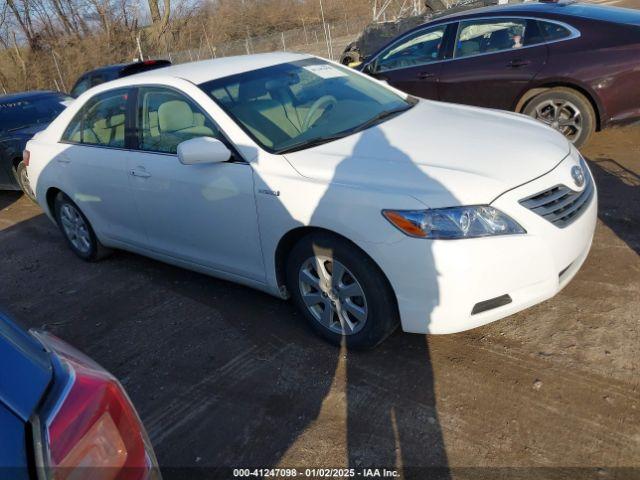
{"x": 77, "y": 230}
{"x": 341, "y": 291}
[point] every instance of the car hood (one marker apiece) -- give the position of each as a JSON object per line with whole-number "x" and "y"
{"x": 23, "y": 133}
{"x": 442, "y": 154}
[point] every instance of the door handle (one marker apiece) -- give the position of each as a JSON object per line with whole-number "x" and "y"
{"x": 139, "y": 173}
{"x": 426, "y": 75}
{"x": 62, "y": 159}
{"x": 518, "y": 63}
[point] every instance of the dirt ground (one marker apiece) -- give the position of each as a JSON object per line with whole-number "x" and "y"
{"x": 226, "y": 376}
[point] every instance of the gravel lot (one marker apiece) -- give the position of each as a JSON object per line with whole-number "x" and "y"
{"x": 226, "y": 376}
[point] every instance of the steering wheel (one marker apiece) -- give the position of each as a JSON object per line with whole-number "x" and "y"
{"x": 323, "y": 102}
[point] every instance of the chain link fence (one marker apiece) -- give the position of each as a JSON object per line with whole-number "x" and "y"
{"x": 323, "y": 39}
{"x": 326, "y": 40}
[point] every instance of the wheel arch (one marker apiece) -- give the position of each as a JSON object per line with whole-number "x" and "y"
{"x": 290, "y": 238}
{"x": 535, "y": 91}
{"x": 50, "y": 197}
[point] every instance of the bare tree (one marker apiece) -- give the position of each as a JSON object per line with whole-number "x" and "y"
{"x": 156, "y": 18}
{"x": 22, "y": 12}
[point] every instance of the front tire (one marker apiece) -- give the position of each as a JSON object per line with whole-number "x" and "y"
{"x": 565, "y": 110}
{"x": 77, "y": 230}
{"x": 341, "y": 292}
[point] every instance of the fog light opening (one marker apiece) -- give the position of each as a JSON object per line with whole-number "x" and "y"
{"x": 491, "y": 304}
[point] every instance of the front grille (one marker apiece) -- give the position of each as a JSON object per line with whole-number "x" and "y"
{"x": 561, "y": 205}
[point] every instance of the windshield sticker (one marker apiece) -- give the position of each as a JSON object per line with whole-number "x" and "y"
{"x": 325, "y": 71}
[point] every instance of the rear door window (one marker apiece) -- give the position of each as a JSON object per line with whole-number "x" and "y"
{"x": 102, "y": 121}
{"x": 553, "y": 31}
{"x": 478, "y": 37}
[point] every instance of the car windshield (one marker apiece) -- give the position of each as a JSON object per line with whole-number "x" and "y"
{"x": 26, "y": 112}
{"x": 297, "y": 105}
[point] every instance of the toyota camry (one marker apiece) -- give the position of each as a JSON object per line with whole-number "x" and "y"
{"x": 305, "y": 179}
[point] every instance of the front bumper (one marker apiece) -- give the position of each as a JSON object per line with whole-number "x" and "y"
{"x": 438, "y": 283}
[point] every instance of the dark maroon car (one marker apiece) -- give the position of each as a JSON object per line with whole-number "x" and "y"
{"x": 573, "y": 66}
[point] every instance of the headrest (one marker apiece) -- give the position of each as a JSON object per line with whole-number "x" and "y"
{"x": 500, "y": 39}
{"x": 175, "y": 115}
{"x": 110, "y": 122}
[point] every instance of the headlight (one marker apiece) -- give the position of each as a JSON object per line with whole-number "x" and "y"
{"x": 452, "y": 223}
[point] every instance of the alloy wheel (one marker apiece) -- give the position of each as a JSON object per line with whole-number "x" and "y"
{"x": 75, "y": 228}
{"x": 561, "y": 115}
{"x": 25, "y": 185}
{"x": 333, "y": 295}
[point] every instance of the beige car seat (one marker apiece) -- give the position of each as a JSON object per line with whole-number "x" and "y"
{"x": 173, "y": 123}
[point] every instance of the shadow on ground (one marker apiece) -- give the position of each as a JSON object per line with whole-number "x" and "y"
{"x": 225, "y": 376}
{"x": 8, "y": 198}
{"x": 619, "y": 199}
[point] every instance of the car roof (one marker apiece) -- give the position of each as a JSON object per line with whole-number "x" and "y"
{"x": 13, "y": 97}
{"x": 206, "y": 70}
{"x": 106, "y": 68}
{"x": 569, "y": 8}
{"x": 120, "y": 68}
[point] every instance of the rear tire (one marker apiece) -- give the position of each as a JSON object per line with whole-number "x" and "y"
{"x": 565, "y": 110}
{"x": 341, "y": 292}
{"x": 77, "y": 230}
{"x": 20, "y": 172}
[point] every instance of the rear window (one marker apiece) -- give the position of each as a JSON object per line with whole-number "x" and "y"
{"x": 90, "y": 80}
{"x": 553, "y": 31}
{"x": 26, "y": 112}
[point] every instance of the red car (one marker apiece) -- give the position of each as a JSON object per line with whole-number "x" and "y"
{"x": 573, "y": 66}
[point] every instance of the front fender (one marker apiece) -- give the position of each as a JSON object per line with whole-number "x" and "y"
{"x": 288, "y": 203}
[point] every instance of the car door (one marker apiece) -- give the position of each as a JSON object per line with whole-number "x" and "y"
{"x": 494, "y": 60}
{"x": 93, "y": 168}
{"x": 412, "y": 63}
{"x": 204, "y": 214}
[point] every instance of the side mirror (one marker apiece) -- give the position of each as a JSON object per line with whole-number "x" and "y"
{"x": 203, "y": 150}
{"x": 369, "y": 67}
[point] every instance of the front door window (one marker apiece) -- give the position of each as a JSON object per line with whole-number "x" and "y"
{"x": 421, "y": 48}
{"x": 167, "y": 118}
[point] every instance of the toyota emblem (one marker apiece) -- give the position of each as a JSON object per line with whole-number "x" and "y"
{"x": 578, "y": 176}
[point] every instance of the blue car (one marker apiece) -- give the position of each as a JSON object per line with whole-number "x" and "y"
{"x": 22, "y": 115}
{"x": 63, "y": 416}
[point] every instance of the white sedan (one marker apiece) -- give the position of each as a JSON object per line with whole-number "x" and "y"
{"x": 304, "y": 179}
